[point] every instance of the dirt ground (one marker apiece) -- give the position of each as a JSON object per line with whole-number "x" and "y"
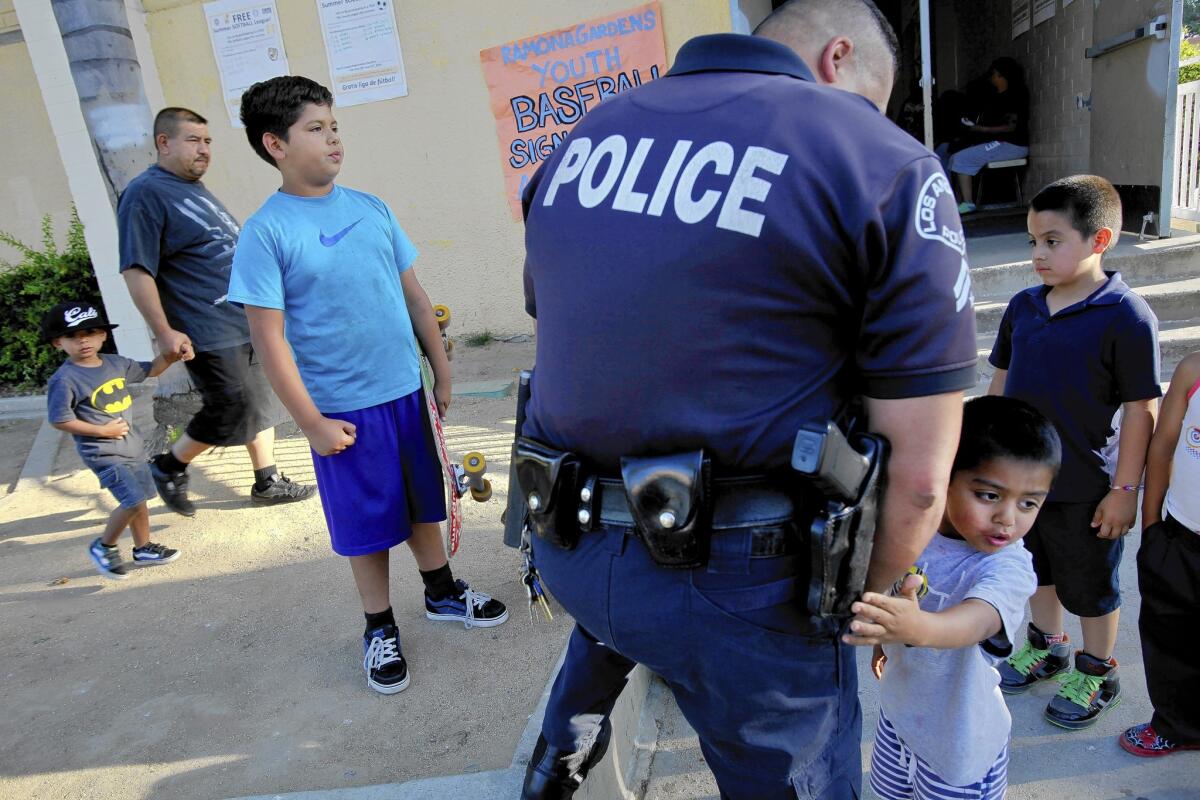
{"x": 237, "y": 669}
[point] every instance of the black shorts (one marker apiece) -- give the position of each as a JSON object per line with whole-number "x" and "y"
{"x": 238, "y": 401}
{"x": 1068, "y": 555}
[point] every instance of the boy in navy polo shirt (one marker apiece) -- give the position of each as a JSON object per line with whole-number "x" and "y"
{"x": 1078, "y": 348}
{"x": 333, "y": 266}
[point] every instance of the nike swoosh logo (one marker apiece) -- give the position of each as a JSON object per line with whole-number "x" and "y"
{"x": 330, "y": 241}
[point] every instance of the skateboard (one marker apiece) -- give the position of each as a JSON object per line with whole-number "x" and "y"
{"x": 469, "y": 475}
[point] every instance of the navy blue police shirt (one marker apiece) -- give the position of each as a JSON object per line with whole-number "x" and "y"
{"x": 1077, "y": 367}
{"x": 732, "y": 250}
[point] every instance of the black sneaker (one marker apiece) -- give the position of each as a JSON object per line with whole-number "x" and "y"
{"x": 387, "y": 671}
{"x": 1037, "y": 660}
{"x": 108, "y": 560}
{"x": 152, "y": 553}
{"x": 1086, "y": 693}
{"x": 282, "y": 489}
{"x": 172, "y": 488}
{"x": 473, "y": 609}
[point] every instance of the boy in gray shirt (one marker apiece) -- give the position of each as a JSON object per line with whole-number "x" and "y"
{"x": 943, "y": 726}
{"x": 88, "y": 397}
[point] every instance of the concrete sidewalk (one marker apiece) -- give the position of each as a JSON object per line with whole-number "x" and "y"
{"x": 237, "y": 670}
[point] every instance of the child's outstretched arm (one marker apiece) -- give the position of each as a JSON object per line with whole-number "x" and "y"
{"x": 327, "y": 436}
{"x": 1166, "y": 438}
{"x": 425, "y": 325}
{"x": 1118, "y": 510}
{"x": 880, "y": 619}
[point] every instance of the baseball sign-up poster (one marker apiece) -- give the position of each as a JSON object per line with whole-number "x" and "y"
{"x": 542, "y": 85}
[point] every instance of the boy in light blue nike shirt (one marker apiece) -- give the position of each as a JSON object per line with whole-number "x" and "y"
{"x": 325, "y": 275}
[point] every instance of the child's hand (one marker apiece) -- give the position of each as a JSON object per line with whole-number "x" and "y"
{"x": 878, "y": 659}
{"x": 330, "y": 436}
{"x": 880, "y": 619}
{"x": 1115, "y": 514}
{"x": 441, "y": 395}
{"x": 114, "y": 430}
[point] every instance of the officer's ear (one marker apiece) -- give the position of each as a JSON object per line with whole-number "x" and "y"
{"x": 835, "y": 62}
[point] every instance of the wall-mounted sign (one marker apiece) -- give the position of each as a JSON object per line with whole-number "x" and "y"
{"x": 247, "y": 45}
{"x": 541, "y": 86}
{"x": 1042, "y": 11}
{"x": 1020, "y": 17}
{"x": 363, "y": 48}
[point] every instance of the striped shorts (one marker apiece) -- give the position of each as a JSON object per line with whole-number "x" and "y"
{"x": 898, "y": 773}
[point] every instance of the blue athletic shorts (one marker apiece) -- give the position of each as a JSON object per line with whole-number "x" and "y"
{"x": 130, "y": 482}
{"x": 898, "y": 773}
{"x": 390, "y": 478}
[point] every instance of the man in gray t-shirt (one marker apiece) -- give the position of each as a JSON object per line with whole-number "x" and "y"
{"x": 177, "y": 242}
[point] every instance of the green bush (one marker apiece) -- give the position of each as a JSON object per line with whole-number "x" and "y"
{"x": 30, "y": 288}
{"x": 1188, "y": 50}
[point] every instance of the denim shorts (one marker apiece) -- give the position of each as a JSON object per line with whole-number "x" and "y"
{"x": 129, "y": 481}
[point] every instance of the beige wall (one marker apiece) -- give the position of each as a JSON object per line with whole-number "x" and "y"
{"x": 32, "y": 180}
{"x": 433, "y": 155}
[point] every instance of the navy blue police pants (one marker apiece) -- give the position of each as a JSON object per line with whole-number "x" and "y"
{"x": 776, "y": 711}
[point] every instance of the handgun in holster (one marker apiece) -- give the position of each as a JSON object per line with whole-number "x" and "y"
{"x": 850, "y": 475}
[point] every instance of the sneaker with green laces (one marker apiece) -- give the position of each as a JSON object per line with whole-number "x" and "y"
{"x": 1037, "y": 660}
{"x": 1085, "y": 693}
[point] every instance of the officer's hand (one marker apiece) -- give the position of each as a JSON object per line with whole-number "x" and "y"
{"x": 330, "y": 436}
{"x": 879, "y": 619}
{"x": 441, "y": 394}
{"x": 116, "y": 429}
{"x": 878, "y": 659}
{"x": 1115, "y": 514}
{"x": 176, "y": 342}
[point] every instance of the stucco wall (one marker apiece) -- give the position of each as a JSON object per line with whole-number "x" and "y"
{"x": 32, "y": 180}
{"x": 432, "y": 155}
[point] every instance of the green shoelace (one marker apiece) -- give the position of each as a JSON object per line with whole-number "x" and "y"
{"x": 1028, "y": 657}
{"x": 1078, "y": 687}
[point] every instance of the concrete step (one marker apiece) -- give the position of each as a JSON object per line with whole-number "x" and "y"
{"x": 1139, "y": 264}
{"x": 1169, "y": 300}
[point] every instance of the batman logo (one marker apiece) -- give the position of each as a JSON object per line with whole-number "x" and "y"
{"x": 112, "y": 403}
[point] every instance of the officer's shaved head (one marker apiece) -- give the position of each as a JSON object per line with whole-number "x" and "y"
{"x": 847, "y": 43}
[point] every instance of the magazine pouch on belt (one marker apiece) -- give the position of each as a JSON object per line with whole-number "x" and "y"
{"x": 668, "y": 499}
{"x": 545, "y": 475}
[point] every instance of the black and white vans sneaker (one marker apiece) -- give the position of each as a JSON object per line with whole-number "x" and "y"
{"x": 387, "y": 671}
{"x": 108, "y": 560}
{"x": 473, "y": 609}
{"x": 152, "y": 553}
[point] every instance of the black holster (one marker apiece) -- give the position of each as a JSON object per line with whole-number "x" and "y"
{"x": 668, "y": 497}
{"x": 840, "y": 540}
{"x": 547, "y": 480}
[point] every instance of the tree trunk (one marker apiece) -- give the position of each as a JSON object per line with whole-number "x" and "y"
{"x": 108, "y": 79}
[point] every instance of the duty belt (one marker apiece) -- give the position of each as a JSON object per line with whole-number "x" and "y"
{"x": 753, "y": 503}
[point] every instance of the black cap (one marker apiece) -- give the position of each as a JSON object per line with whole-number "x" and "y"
{"x": 77, "y": 315}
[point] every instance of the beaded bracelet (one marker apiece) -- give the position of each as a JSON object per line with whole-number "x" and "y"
{"x": 1129, "y": 487}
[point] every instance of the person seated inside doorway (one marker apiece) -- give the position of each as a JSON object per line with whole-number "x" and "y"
{"x": 1000, "y": 130}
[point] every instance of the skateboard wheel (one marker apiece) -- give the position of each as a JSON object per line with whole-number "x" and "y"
{"x": 442, "y": 315}
{"x": 474, "y": 463}
{"x": 484, "y": 494}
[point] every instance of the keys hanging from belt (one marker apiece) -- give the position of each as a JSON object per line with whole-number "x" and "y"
{"x": 532, "y": 582}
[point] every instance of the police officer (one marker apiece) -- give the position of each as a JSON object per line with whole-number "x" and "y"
{"x": 713, "y": 260}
